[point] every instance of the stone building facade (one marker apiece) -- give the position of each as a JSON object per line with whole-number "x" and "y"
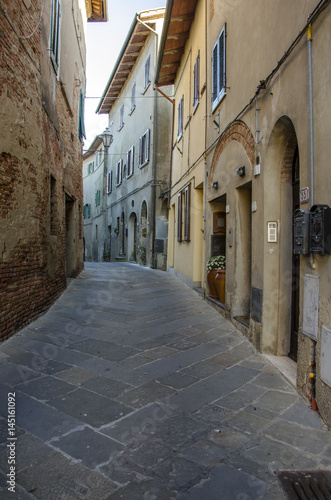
{"x": 96, "y": 244}
{"x": 251, "y": 147}
{"x": 42, "y": 57}
{"x": 137, "y": 171}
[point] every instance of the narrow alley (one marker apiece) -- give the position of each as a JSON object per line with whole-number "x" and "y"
{"x": 131, "y": 386}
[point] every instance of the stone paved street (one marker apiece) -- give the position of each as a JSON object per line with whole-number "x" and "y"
{"x": 133, "y": 387}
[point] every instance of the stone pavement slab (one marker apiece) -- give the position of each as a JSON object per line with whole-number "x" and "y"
{"x": 133, "y": 387}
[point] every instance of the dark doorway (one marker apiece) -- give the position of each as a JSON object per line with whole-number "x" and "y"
{"x": 70, "y": 237}
{"x": 123, "y": 234}
{"x": 295, "y": 304}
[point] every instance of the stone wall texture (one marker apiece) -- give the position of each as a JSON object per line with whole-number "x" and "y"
{"x": 40, "y": 172}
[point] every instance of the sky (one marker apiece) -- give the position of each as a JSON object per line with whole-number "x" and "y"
{"x": 104, "y": 42}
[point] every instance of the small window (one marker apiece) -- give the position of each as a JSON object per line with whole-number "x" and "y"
{"x": 97, "y": 197}
{"x": 144, "y": 149}
{"x": 219, "y": 69}
{"x": 55, "y": 33}
{"x": 133, "y": 97}
{"x": 109, "y": 182}
{"x": 122, "y": 116}
{"x": 130, "y": 162}
{"x": 119, "y": 169}
{"x": 196, "y": 77}
{"x": 87, "y": 211}
{"x": 180, "y": 118}
{"x": 90, "y": 168}
{"x": 147, "y": 72}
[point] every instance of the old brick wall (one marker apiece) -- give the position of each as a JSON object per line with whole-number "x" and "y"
{"x": 33, "y": 148}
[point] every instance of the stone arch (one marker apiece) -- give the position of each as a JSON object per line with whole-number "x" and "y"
{"x": 278, "y": 257}
{"x": 237, "y": 131}
{"x": 132, "y": 236}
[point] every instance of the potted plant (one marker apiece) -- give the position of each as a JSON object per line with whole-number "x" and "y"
{"x": 220, "y": 279}
{"x": 213, "y": 264}
{"x": 106, "y": 257}
{"x": 116, "y": 230}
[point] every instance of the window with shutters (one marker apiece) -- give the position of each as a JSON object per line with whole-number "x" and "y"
{"x": 55, "y": 34}
{"x": 119, "y": 170}
{"x": 87, "y": 211}
{"x": 130, "y": 162}
{"x": 219, "y": 69}
{"x": 144, "y": 149}
{"x": 121, "y": 117}
{"x": 187, "y": 204}
{"x": 81, "y": 123}
{"x": 133, "y": 98}
{"x": 184, "y": 214}
{"x": 180, "y": 118}
{"x": 97, "y": 197}
{"x": 147, "y": 72}
{"x": 196, "y": 78}
{"x": 109, "y": 182}
{"x": 90, "y": 168}
{"x": 179, "y": 218}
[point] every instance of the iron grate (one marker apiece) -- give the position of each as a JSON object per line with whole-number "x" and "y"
{"x": 306, "y": 485}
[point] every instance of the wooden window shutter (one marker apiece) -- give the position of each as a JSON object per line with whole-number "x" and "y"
{"x": 147, "y": 145}
{"x": 196, "y": 80}
{"x": 214, "y": 71}
{"x": 132, "y": 159}
{"x": 140, "y": 151}
{"x": 109, "y": 182}
{"x": 187, "y": 214}
{"x": 179, "y": 218}
{"x": 222, "y": 61}
{"x": 88, "y": 210}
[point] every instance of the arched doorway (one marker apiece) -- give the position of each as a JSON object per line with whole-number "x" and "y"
{"x": 143, "y": 241}
{"x": 122, "y": 234}
{"x": 132, "y": 237}
{"x": 281, "y": 271}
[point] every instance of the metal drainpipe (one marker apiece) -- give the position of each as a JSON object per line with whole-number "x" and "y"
{"x": 312, "y": 374}
{"x": 154, "y": 264}
{"x": 311, "y": 124}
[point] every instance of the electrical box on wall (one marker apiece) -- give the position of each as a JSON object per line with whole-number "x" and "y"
{"x": 301, "y": 231}
{"x": 320, "y": 229}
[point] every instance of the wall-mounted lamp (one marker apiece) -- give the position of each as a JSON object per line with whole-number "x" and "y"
{"x": 241, "y": 171}
{"x": 107, "y": 138}
{"x": 215, "y": 185}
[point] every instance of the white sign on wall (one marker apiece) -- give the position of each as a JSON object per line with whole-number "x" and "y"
{"x": 326, "y": 355}
{"x": 310, "y": 305}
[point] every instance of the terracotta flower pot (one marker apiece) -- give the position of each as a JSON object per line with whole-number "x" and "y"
{"x": 211, "y": 283}
{"x": 220, "y": 284}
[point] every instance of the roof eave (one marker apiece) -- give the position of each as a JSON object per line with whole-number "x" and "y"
{"x": 163, "y": 40}
{"x": 130, "y": 32}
